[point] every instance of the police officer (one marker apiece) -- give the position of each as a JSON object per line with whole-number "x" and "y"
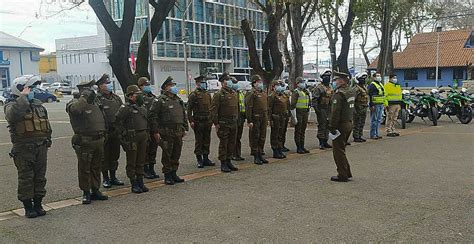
{"x": 111, "y": 104}
{"x": 256, "y": 112}
{"x": 321, "y": 102}
{"x": 224, "y": 116}
{"x": 133, "y": 121}
{"x": 360, "y": 107}
{"x": 30, "y": 133}
{"x": 152, "y": 145}
{"x": 278, "y": 112}
{"x": 376, "y": 103}
{"x": 287, "y": 94}
{"x": 199, "y": 104}
{"x": 88, "y": 123}
{"x": 169, "y": 124}
{"x": 393, "y": 95}
{"x": 342, "y": 110}
{"x": 300, "y": 102}
{"x": 241, "y": 121}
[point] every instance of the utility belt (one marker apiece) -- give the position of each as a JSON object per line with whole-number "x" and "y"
{"x": 228, "y": 120}
{"x": 280, "y": 116}
{"x": 201, "y": 117}
{"x": 302, "y": 110}
{"x": 91, "y": 137}
{"x": 172, "y": 126}
{"x": 259, "y": 115}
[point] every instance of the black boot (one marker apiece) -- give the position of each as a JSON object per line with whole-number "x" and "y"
{"x": 256, "y": 160}
{"x": 263, "y": 159}
{"x": 224, "y": 166}
{"x": 231, "y": 166}
{"x": 38, "y": 207}
{"x": 276, "y": 153}
{"x": 326, "y": 144}
{"x": 169, "y": 179}
{"x": 141, "y": 184}
{"x": 152, "y": 172}
{"x": 29, "y": 211}
{"x": 146, "y": 171}
{"x": 299, "y": 150}
{"x": 106, "y": 182}
{"x": 199, "y": 161}
{"x": 206, "y": 161}
{"x": 113, "y": 179}
{"x": 97, "y": 195}
{"x": 285, "y": 149}
{"x": 304, "y": 149}
{"x": 282, "y": 154}
{"x": 86, "y": 197}
{"x": 321, "y": 144}
{"x": 134, "y": 186}
{"x": 176, "y": 178}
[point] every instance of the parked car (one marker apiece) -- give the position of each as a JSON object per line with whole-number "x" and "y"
{"x": 45, "y": 96}
{"x": 214, "y": 84}
{"x": 62, "y": 87}
{"x": 2, "y": 100}
{"x": 44, "y": 86}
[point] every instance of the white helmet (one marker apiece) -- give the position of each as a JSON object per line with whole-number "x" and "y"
{"x": 24, "y": 81}
{"x": 326, "y": 71}
{"x": 360, "y": 75}
{"x": 434, "y": 91}
{"x": 463, "y": 89}
{"x": 405, "y": 92}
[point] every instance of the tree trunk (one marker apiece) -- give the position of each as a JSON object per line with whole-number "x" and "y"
{"x": 385, "y": 61}
{"x": 346, "y": 40}
{"x": 118, "y": 60}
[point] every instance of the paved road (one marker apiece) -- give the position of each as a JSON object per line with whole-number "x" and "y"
{"x": 417, "y": 187}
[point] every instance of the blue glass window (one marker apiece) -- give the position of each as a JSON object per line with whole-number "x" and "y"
{"x": 190, "y": 32}
{"x": 210, "y": 12}
{"x": 220, "y": 14}
{"x": 211, "y": 53}
{"x": 160, "y": 49}
{"x": 197, "y": 52}
{"x": 181, "y": 6}
{"x": 171, "y": 50}
{"x": 199, "y": 6}
{"x": 176, "y": 31}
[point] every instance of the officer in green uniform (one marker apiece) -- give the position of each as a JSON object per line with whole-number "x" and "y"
{"x": 360, "y": 107}
{"x": 88, "y": 123}
{"x": 168, "y": 124}
{"x": 224, "y": 116}
{"x": 30, "y": 134}
{"x": 111, "y": 104}
{"x": 278, "y": 113}
{"x": 152, "y": 146}
{"x": 256, "y": 112}
{"x": 321, "y": 102}
{"x": 300, "y": 102}
{"x": 199, "y": 104}
{"x": 241, "y": 121}
{"x": 342, "y": 110}
{"x": 133, "y": 121}
{"x": 286, "y": 93}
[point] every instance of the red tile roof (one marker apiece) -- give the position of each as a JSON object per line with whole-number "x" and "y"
{"x": 421, "y": 51}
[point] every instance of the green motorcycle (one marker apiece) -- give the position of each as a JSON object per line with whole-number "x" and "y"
{"x": 459, "y": 104}
{"x": 426, "y": 106}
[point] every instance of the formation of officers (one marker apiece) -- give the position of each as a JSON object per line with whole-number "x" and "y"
{"x": 102, "y": 123}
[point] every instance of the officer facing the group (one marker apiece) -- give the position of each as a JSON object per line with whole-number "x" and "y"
{"x": 224, "y": 116}
{"x": 152, "y": 145}
{"x": 241, "y": 121}
{"x": 393, "y": 95}
{"x": 199, "y": 104}
{"x": 278, "y": 112}
{"x": 133, "y": 122}
{"x": 256, "y": 112}
{"x": 321, "y": 102}
{"x": 30, "y": 133}
{"x": 111, "y": 104}
{"x": 360, "y": 105}
{"x": 88, "y": 123}
{"x": 300, "y": 102}
{"x": 342, "y": 110}
{"x": 377, "y": 102}
{"x": 168, "y": 124}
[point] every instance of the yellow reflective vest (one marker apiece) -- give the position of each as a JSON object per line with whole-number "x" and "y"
{"x": 241, "y": 102}
{"x": 380, "y": 97}
{"x": 393, "y": 92}
{"x": 303, "y": 100}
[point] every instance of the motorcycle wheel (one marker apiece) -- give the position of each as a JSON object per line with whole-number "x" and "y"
{"x": 439, "y": 114}
{"x": 403, "y": 117}
{"x": 465, "y": 115}
{"x": 433, "y": 115}
{"x": 384, "y": 117}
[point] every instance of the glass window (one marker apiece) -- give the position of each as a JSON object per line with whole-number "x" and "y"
{"x": 411, "y": 74}
{"x": 211, "y": 53}
{"x": 190, "y": 32}
{"x": 160, "y": 46}
{"x": 458, "y": 74}
{"x": 171, "y": 50}
{"x": 210, "y": 12}
{"x": 167, "y": 31}
{"x": 431, "y": 74}
{"x": 181, "y": 6}
{"x": 220, "y": 14}
{"x": 161, "y": 35}
{"x": 176, "y": 31}
{"x": 245, "y": 58}
{"x": 215, "y": 35}
{"x": 197, "y": 52}
{"x": 203, "y": 34}
{"x": 199, "y": 6}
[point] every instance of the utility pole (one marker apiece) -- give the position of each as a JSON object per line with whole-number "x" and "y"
{"x": 185, "y": 48}
{"x": 438, "y": 30}
{"x": 150, "y": 44}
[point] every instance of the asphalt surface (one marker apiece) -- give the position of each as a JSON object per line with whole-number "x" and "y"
{"x": 417, "y": 187}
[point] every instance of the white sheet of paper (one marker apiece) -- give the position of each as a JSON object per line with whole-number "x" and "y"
{"x": 334, "y": 136}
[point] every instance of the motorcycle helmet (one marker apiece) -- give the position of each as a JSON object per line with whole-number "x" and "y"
{"x": 24, "y": 81}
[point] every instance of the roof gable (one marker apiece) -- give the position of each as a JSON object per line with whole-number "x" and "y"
{"x": 7, "y": 40}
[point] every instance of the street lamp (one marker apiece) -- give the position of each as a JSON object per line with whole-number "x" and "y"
{"x": 221, "y": 41}
{"x": 185, "y": 48}
{"x": 438, "y": 30}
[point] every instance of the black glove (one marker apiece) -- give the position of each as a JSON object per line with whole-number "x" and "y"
{"x": 49, "y": 142}
{"x": 89, "y": 95}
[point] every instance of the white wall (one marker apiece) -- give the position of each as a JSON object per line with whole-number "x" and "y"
{"x": 163, "y": 69}
{"x": 27, "y": 65}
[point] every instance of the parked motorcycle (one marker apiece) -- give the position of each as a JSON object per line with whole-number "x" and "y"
{"x": 458, "y": 103}
{"x": 426, "y": 105}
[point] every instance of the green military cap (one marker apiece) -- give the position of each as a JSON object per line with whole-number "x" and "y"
{"x": 276, "y": 82}
{"x": 168, "y": 81}
{"x": 255, "y": 78}
{"x": 200, "y": 78}
{"x": 131, "y": 89}
{"x": 224, "y": 76}
{"x": 299, "y": 79}
{"x": 143, "y": 81}
{"x": 340, "y": 75}
{"x": 103, "y": 79}
{"x": 86, "y": 83}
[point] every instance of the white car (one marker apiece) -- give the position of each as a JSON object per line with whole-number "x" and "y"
{"x": 62, "y": 87}
{"x": 44, "y": 86}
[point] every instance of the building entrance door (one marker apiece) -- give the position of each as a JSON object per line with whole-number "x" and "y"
{"x": 4, "y": 79}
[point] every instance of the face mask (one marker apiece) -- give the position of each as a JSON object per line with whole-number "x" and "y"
{"x": 147, "y": 89}
{"x": 326, "y": 80}
{"x": 139, "y": 100}
{"x": 95, "y": 87}
{"x": 236, "y": 86}
{"x": 174, "y": 90}
{"x": 361, "y": 81}
{"x": 110, "y": 87}
{"x": 280, "y": 89}
{"x": 260, "y": 86}
{"x": 302, "y": 85}
{"x": 31, "y": 95}
{"x": 395, "y": 81}
{"x": 203, "y": 85}
{"x": 334, "y": 85}
{"x": 229, "y": 83}
{"x": 378, "y": 78}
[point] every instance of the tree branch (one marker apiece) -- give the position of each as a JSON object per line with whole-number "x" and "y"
{"x": 104, "y": 17}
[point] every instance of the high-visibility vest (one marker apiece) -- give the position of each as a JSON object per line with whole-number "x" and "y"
{"x": 393, "y": 92}
{"x": 241, "y": 102}
{"x": 380, "y": 97}
{"x": 303, "y": 100}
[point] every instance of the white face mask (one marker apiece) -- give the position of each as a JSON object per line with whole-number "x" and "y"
{"x": 395, "y": 81}
{"x": 378, "y": 78}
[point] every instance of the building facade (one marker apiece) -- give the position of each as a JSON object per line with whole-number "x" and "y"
{"x": 212, "y": 32}
{"x": 48, "y": 68}
{"x": 17, "y": 57}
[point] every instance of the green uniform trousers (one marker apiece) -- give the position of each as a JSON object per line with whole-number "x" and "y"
{"x": 111, "y": 153}
{"x": 90, "y": 152}
{"x": 136, "y": 154}
{"x": 171, "y": 143}
{"x": 322, "y": 115}
{"x": 151, "y": 150}
{"x": 240, "y": 130}
{"x": 202, "y": 137}
{"x": 227, "y": 134}
{"x": 277, "y": 131}
{"x": 258, "y": 134}
{"x": 300, "y": 128}
{"x": 30, "y": 159}
{"x": 360, "y": 113}
{"x": 339, "y": 150}
{"x": 285, "y": 129}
